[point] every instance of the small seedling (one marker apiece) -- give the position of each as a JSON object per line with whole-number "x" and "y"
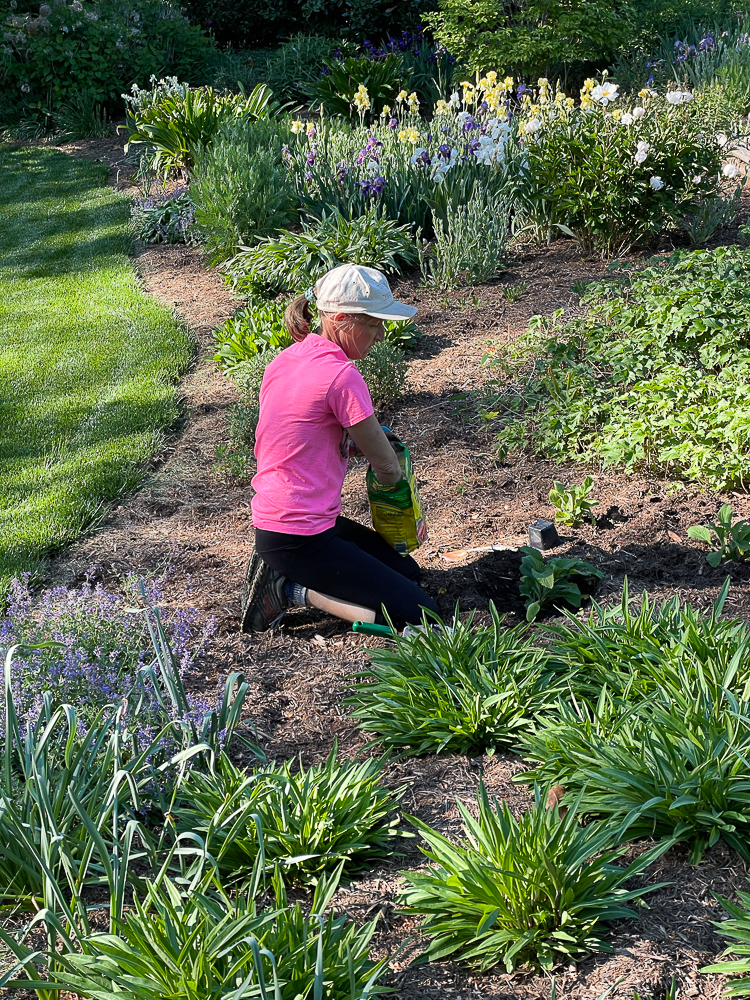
{"x": 571, "y": 504}
{"x": 512, "y": 293}
{"x": 545, "y": 582}
{"x": 732, "y": 541}
{"x": 580, "y": 287}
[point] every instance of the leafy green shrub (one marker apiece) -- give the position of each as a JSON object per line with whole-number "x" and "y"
{"x": 300, "y": 62}
{"x": 732, "y": 540}
{"x": 241, "y": 189}
{"x": 385, "y": 372}
{"x": 162, "y": 217}
{"x": 403, "y": 333}
{"x": 736, "y": 928}
{"x": 461, "y": 689}
{"x": 306, "y": 822}
{"x": 571, "y": 503}
{"x": 176, "y": 123}
{"x": 294, "y": 261}
{"x": 636, "y": 649}
{"x": 334, "y": 91}
{"x": 256, "y": 328}
{"x": 187, "y": 942}
{"x": 545, "y": 581}
{"x": 86, "y": 51}
{"x": 517, "y": 37}
{"x": 614, "y": 183}
{"x": 533, "y": 891}
{"x": 471, "y": 245}
{"x": 671, "y": 767}
{"x": 654, "y": 377}
{"x": 80, "y": 117}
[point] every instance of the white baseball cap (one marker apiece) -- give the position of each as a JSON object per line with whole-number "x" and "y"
{"x": 353, "y": 288}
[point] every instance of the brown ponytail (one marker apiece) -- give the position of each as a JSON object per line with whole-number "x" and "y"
{"x": 298, "y": 318}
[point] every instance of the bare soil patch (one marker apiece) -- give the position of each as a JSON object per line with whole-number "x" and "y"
{"x": 190, "y": 518}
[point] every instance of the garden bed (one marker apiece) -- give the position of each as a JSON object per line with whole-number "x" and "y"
{"x": 190, "y": 518}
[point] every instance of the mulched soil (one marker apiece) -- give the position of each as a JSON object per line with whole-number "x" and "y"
{"x": 190, "y": 519}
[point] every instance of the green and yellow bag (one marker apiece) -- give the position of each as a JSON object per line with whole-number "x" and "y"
{"x": 396, "y": 510}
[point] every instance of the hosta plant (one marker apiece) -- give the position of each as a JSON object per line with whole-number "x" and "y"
{"x": 544, "y": 582}
{"x": 731, "y": 541}
{"x": 294, "y": 261}
{"x": 306, "y": 821}
{"x": 572, "y": 504}
{"x": 184, "y": 942}
{"x": 462, "y": 689}
{"x": 528, "y": 892}
{"x": 737, "y": 929}
{"x": 257, "y": 328}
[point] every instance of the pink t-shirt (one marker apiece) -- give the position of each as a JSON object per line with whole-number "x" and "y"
{"x": 310, "y": 394}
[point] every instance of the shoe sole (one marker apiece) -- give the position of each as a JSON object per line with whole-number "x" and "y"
{"x": 261, "y": 611}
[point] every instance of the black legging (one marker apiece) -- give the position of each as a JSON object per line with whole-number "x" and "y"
{"x": 352, "y": 563}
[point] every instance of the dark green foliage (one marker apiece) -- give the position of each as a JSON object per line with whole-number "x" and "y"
{"x": 241, "y": 189}
{"x": 255, "y": 329}
{"x": 654, "y": 378}
{"x": 300, "y": 62}
{"x": 518, "y": 37}
{"x": 543, "y": 582}
{"x": 92, "y": 52}
{"x": 528, "y": 892}
{"x": 267, "y": 22}
{"x": 294, "y": 261}
{"x": 463, "y": 689}
{"x": 306, "y": 821}
{"x": 335, "y": 90}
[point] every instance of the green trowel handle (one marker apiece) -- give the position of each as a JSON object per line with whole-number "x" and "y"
{"x": 370, "y": 628}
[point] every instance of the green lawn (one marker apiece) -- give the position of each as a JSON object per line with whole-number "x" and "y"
{"x": 88, "y": 362}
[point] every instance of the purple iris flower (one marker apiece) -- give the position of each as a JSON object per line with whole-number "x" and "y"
{"x": 444, "y": 151}
{"x": 393, "y": 123}
{"x": 308, "y": 176}
{"x": 469, "y": 125}
{"x": 342, "y": 171}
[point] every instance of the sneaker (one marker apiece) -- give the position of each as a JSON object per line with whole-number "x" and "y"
{"x": 264, "y": 599}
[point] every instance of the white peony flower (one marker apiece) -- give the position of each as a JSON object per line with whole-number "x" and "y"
{"x": 639, "y": 113}
{"x": 627, "y": 119}
{"x": 656, "y": 183}
{"x": 730, "y": 170}
{"x": 698, "y": 178}
{"x": 640, "y": 157}
{"x": 643, "y": 147}
{"x": 678, "y": 97}
{"x": 605, "y": 93}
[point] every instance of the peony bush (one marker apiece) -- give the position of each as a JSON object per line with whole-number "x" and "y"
{"x": 611, "y": 173}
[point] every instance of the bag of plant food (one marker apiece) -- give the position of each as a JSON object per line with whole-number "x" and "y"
{"x": 396, "y": 510}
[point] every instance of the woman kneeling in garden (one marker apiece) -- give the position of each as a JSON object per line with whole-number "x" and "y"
{"x": 315, "y": 410}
